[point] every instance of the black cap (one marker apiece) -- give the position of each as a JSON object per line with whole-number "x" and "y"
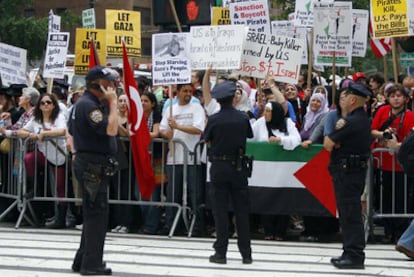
{"x": 224, "y": 90}
{"x": 13, "y": 90}
{"x": 100, "y": 72}
{"x": 358, "y": 89}
{"x": 61, "y": 83}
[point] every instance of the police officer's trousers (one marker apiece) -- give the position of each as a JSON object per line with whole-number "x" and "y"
{"x": 95, "y": 223}
{"x": 229, "y": 184}
{"x": 349, "y": 186}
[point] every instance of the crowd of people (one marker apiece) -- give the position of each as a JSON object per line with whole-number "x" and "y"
{"x": 292, "y": 115}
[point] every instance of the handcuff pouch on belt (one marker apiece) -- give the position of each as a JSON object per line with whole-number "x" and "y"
{"x": 93, "y": 173}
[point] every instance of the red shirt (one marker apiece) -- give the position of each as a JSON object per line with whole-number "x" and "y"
{"x": 402, "y": 124}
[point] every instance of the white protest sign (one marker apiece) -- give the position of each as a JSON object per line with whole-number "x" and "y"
{"x": 282, "y": 28}
{"x": 410, "y": 4}
{"x": 303, "y": 13}
{"x": 267, "y": 54}
{"x": 254, "y": 14}
{"x": 220, "y": 46}
{"x": 171, "y": 59}
{"x": 55, "y": 58}
{"x": 226, "y": 3}
{"x": 53, "y": 23}
{"x": 359, "y": 32}
{"x": 286, "y": 28}
{"x": 12, "y": 64}
{"x": 333, "y": 33}
{"x": 88, "y": 19}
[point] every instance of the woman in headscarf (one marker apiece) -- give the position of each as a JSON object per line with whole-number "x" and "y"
{"x": 242, "y": 102}
{"x": 275, "y": 127}
{"x": 314, "y": 117}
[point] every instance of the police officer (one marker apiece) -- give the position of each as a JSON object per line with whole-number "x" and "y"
{"x": 350, "y": 146}
{"x": 93, "y": 124}
{"x": 226, "y": 134}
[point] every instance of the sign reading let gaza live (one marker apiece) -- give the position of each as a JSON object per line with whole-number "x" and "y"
{"x": 83, "y": 36}
{"x": 123, "y": 24}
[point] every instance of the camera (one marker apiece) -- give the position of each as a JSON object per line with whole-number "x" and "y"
{"x": 387, "y": 135}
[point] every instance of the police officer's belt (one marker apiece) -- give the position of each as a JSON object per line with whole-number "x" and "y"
{"x": 230, "y": 158}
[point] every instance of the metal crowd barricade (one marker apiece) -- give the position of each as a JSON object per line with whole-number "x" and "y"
{"x": 11, "y": 165}
{"x": 377, "y": 196}
{"x": 44, "y": 187}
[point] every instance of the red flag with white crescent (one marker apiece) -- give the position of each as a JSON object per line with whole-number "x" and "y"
{"x": 139, "y": 132}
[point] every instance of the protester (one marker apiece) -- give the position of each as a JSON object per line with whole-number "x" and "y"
{"x": 47, "y": 122}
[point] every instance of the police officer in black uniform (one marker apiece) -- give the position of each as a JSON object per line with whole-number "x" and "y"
{"x": 350, "y": 146}
{"x": 226, "y": 134}
{"x": 93, "y": 124}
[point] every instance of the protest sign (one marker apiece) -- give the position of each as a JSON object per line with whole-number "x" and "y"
{"x": 12, "y": 64}
{"x": 389, "y": 18}
{"x": 268, "y": 54}
{"x": 254, "y": 14}
{"x": 220, "y": 16}
{"x": 226, "y": 3}
{"x": 411, "y": 16}
{"x": 123, "y": 24}
{"x": 333, "y": 33}
{"x": 55, "y": 58}
{"x": 220, "y": 46}
{"x": 286, "y": 28}
{"x": 304, "y": 13}
{"x": 82, "y": 53}
{"x": 53, "y": 23}
{"x": 88, "y": 19}
{"x": 359, "y": 32}
{"x": 170, "y": 59}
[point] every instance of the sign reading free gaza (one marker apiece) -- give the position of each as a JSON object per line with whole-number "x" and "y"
{"x": 123, "y": 24}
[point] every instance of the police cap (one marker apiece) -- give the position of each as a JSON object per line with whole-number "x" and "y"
{"x": 100, "y": 72}
{"x": 13, "y": 90}
{"x": 224, "y": 90}
{"x": 358, "y": 89}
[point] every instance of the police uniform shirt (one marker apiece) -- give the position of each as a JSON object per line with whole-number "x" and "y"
{"x": 353, "y": 134}
{"x": 221, "y": 131}
{"x": 88, "y": 124}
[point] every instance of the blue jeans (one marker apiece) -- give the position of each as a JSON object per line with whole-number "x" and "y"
{"x": 152, "y": 214}
{"x": 407, "y": 238}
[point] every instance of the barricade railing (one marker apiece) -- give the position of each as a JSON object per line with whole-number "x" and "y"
{"x": 390, "y": 191}
{"x": 11, "y": 166}
{"x": 55, "y": 183}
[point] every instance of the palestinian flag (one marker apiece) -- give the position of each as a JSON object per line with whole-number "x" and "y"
{"x": 290, "y": 182}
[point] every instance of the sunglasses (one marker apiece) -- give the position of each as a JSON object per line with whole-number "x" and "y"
{"x": 47, "y": 102}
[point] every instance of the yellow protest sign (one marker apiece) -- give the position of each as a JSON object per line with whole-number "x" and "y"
{"x": 82, "y": 48}
{"x": 389, "y": 18}
{"x": 221, "y": 16}
{"x": 123, "y": 24}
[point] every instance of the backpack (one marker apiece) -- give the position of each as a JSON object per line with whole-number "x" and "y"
{"x": 406, "y": 154}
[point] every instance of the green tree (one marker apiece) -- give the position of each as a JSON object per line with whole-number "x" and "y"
{"x": 28, "y": 32}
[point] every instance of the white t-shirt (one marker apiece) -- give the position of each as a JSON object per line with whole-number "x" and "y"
{"x": 191, "y": 114}
{"x": 289, "y": 142}
{"x": 47, "y": 148}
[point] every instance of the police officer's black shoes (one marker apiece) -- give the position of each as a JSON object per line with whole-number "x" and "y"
{"x": 218, "y": 259}
{"x": 347, "y": 263}
{"x": 76, "y": 266}
{"x": 247, "y": 260}
{"x": 96, "y": 271}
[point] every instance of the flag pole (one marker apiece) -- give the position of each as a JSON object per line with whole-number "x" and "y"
{"x": 310, "y": 60}
{"x": 177, "y": 20}
{"x": 394, "y": 60}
